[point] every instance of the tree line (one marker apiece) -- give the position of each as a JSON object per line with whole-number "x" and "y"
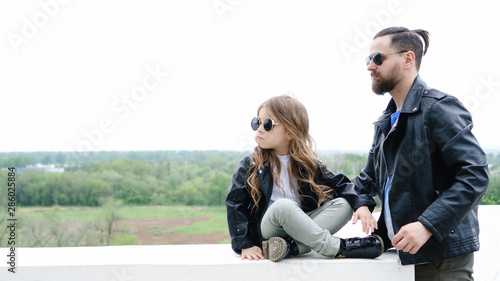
{"x": 197, "y": 178}
{"x": 155, "y": 177}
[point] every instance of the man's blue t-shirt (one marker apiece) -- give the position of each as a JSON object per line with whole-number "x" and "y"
{"x": 387, "y": 210}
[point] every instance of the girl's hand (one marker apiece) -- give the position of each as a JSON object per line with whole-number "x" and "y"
{"x": 253, "y": 253}
{"x": 367, "y": 220}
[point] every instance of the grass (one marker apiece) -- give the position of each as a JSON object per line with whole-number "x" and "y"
{"x": 212, "y": 225}
{"x": 137, "y": 212}
{"x": 75, "y": 213}
{"x": 131, "y": 212}
{"x": 216, "y": 223}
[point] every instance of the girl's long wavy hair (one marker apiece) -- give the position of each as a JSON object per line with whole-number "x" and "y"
{"x": 291, "y": 114}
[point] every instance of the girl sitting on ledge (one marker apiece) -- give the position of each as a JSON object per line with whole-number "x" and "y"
{"x": 285, "y": 202}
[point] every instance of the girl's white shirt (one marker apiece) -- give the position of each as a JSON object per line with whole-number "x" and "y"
{"x": 287, "y": 188}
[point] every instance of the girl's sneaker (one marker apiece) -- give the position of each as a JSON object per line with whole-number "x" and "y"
{"x": 277, "y": 248}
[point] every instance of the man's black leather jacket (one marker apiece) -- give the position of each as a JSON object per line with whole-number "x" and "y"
{"x": 438, "y": 172}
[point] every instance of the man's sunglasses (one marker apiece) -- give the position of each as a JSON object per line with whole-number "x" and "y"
{"x": 378, "y": 58}
{"x": 268, "y": 124}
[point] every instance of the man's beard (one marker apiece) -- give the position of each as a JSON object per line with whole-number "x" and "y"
{"x": 382, "y": 85}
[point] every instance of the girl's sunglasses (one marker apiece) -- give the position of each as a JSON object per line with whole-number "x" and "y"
{"x": 378, "y": 58}
{"x": 268, "y": 124}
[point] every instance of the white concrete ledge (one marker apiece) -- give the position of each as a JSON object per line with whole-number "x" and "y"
{"x": 190, "y": 262}
{"x": 219, "y": 262}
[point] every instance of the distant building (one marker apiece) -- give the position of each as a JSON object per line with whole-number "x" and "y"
{"x": 51, "y": 168}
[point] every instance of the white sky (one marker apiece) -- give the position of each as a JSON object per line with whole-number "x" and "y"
{"x": 72, "y": 73}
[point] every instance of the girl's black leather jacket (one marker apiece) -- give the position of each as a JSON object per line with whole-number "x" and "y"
{"x": 244, "y": 220}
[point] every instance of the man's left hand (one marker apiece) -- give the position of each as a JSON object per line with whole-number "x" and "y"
{"x": 411, "y": 237}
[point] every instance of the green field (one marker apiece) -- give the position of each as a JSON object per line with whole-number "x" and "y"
{"x": 50, "y": 223}
{"x": 131, "y": 212}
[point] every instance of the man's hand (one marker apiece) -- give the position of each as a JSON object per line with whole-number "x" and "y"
{"x": 411, "y": 237}
{"x": 253, "y": 253}
{"x": 368, "y": 222}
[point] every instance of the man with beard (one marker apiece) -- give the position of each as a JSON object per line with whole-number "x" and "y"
{"x": 425, "y": 164}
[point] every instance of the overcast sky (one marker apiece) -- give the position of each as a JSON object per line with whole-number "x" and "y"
{"x": 174, "y": 75}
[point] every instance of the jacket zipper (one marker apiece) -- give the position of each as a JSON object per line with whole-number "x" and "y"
{"x": 393, "y": 128}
